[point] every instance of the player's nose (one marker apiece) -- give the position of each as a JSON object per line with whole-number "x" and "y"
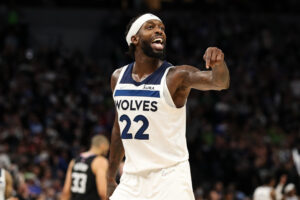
{"x": 158, "y": 30}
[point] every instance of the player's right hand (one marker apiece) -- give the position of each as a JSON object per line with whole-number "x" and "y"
{"x": 213, "y": 57}
{"x": 111, "y": 186}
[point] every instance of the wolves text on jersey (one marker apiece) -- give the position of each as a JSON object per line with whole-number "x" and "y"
{"x": 138, "y": 105}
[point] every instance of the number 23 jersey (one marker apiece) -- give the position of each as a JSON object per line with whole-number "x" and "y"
{"x": 152, "y": 128}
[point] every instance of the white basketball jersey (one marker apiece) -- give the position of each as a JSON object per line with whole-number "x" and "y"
{"x": 2, "y": 184}
{"x": 262, "y": 193}
{"x": 152, "y": 130}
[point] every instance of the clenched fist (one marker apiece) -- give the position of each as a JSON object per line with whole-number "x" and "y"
{"x": 213, "y": 56}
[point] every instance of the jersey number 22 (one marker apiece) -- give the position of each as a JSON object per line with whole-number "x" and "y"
{"x": 140, "y": 134}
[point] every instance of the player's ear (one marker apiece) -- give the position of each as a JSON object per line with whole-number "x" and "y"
{"x": 135, "y": 39}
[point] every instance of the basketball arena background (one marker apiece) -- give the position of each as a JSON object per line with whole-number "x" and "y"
{"x": 57, "y": 56}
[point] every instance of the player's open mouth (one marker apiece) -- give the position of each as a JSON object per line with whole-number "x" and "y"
{"x": 158, "y": 44}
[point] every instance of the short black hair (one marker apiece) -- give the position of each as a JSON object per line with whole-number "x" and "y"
{"x": 132, "y": 47}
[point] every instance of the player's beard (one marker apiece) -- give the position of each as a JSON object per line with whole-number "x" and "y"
{"x": 148, "y": 51}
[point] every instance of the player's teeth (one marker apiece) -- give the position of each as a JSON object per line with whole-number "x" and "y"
{"x": 158, "y": 40}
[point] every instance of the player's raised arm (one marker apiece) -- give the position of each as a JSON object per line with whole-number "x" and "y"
{"x": 216, "y": 79}
{"x": 116, "y": 148}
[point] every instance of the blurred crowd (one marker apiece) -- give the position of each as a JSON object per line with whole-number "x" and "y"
{"x": 53, "y": 99}
{"x": 203, "y": 6}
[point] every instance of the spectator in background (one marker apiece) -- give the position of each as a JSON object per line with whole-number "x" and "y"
{"x": 266, "y": 191}
{"x": 280, "y": 186}
{"x": 290, "y": 192}
{"x": 214, "y": 195}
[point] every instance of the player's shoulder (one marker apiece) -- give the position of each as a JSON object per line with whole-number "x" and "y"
{"x": 100, "y": 161}
{"x": 115, "y": 76}
{"x": 117, "y": 72}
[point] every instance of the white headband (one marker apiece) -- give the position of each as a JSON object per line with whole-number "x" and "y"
{"x": 137, "y": 24}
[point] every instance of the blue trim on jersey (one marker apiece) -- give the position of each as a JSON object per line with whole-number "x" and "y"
{"x": 153, "y": 79}
{"x": 138, "y": 93}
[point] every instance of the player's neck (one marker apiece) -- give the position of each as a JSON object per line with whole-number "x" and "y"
{"x": 93, "y": 151}
{"x": 145, "y": 65}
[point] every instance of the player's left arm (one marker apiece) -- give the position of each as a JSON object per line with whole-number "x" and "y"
{"x": 9, "y": 185}
{"x": 216, "y": 79}
{"x": 99, "y": 167}
{"x": 66, "y": 193}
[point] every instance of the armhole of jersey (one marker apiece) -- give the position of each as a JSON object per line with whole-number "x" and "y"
{"x": 167, "y": 98}
{"x": 165, "y": 91}
{"x": 120, "y": 78}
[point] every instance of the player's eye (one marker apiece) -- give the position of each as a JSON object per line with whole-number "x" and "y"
{"x": 150, "y": 27}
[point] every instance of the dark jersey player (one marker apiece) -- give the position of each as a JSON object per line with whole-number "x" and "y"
{"x": 86, "y": 175}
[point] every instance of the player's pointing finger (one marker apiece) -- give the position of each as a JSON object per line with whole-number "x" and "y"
{"x": 208, "y": 55}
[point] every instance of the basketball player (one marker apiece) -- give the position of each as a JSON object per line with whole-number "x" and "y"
{"x": 6, "y": 184}
{"x": 150, "y": 96}
{"x": 266, "y": 191}
{"x": 86, "y": 175}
